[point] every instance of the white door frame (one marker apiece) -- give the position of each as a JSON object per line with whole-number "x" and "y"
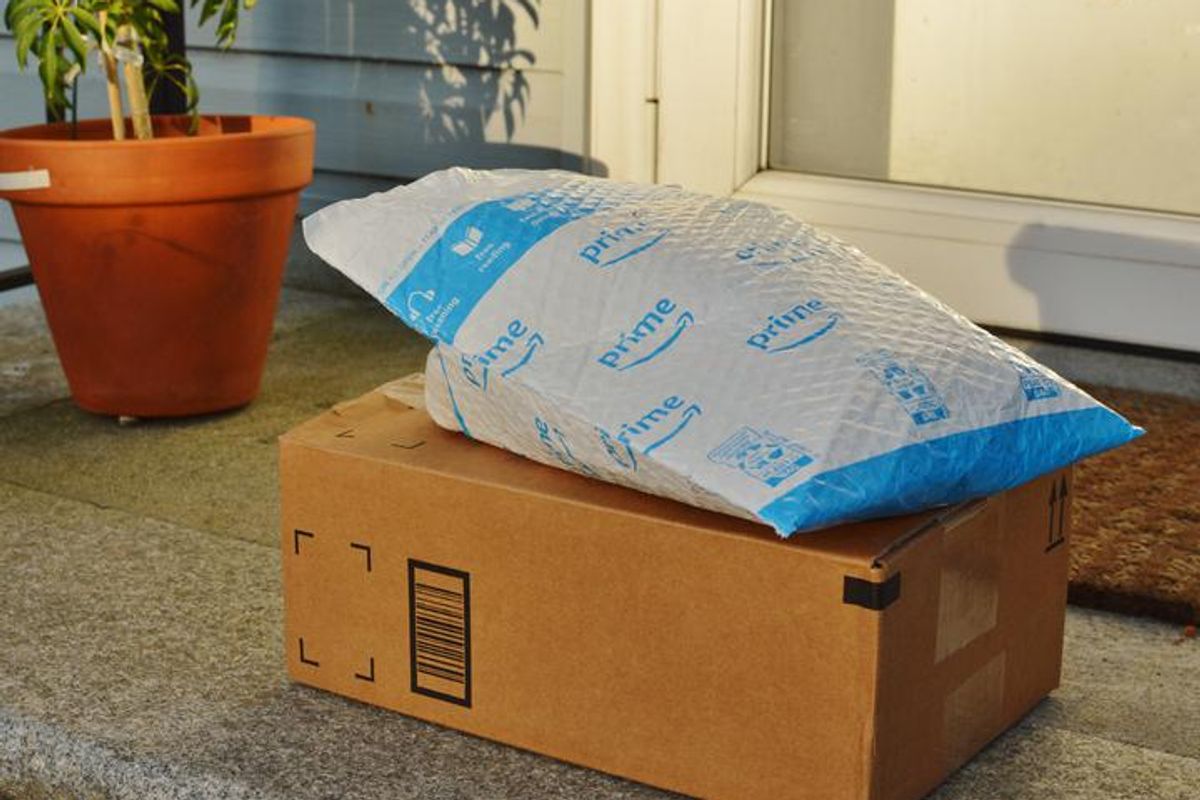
{"x": 686, "y": 105}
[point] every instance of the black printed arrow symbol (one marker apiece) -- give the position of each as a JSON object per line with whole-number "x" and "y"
{"x": 1058, "y": 502}
{"x": 296, "y": 534}
{"x": 304, "y": 659}
{"x": 1053, "y": 503}
{"x": 1062, "y": 504}
{"x": 346, "y": 434}
{"x": 366, "y": 549}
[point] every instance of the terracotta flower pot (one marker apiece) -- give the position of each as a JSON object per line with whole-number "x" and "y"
{"x": 159, "y": 262}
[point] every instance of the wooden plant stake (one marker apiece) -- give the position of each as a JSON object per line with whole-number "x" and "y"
{"x": 115, "y": 111}
{"x": 135, "y": 86}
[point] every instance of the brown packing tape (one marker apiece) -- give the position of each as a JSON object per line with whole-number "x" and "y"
{"x": 972, "y": 712}
{"x": 969, "y": 583}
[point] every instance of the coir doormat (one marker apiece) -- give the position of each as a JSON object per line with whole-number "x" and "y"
{"x": 1136, "y": 545}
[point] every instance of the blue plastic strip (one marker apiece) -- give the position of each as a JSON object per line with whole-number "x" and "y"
{"x": 948, "y": 470}
{"x": 473, "y": 253}
{"x": 458, "y": 417}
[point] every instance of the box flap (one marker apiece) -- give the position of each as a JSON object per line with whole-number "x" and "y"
{"x": 382, "y": 428}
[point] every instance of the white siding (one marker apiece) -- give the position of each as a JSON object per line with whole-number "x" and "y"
{"x": 363, "y": 69}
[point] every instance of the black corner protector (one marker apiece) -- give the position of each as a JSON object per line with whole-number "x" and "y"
{"x": 296, "y": 534}
{"x": 868, "y": 594}
{"x": 370, "y": 676}
{"x": 366, "y": 548}
{"x": 305, "y": 660}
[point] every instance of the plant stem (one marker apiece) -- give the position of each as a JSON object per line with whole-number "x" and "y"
{"x": 135, "y": 86}
{"x": 115, "y": 111}
{"x": 75, "y": 108}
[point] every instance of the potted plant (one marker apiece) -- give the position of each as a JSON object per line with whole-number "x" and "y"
{"x": 157, "y": 243}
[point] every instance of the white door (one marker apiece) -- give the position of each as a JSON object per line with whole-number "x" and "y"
{"x": 1036, "y": 165}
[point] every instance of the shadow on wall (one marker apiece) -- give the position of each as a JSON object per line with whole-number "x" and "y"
{"x": 456, "y": 103}
{"x": 1083, "y": 278}
{"x": 404, "y": 87}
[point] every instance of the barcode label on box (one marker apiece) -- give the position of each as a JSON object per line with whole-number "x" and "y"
{"x": 439, "y": 624}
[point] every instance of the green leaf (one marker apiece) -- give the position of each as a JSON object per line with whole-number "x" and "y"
{"x": 226, "y": 12}
{"x": 48, "y": 70}
{"x": 227, "y": 31}
{"x": 16, "y": 10}
{"x": 76, "y": 42}
{"x": 87, "y": 20}
{"x": 56, "y": 33}
{"x": 207, "y": 10}
{"x": 26, "y": 32}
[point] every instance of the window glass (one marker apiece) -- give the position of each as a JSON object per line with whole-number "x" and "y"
{"x": 1093, "y": 101}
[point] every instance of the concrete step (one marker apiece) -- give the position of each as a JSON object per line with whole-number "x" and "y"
{"x": 140, "y": 620}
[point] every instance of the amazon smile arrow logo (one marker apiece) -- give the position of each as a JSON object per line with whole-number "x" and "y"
{"x": 799, "y": 325}
{"x": 651, "y": 336}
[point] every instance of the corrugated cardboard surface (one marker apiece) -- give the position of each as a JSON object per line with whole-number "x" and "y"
{"x": 977, "y": 639}
{"x": 462, "y": 584}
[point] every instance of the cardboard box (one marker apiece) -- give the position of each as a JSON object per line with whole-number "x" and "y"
{"x": 458, "y": 583}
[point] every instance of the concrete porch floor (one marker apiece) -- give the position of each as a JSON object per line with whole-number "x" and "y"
{"x": 140, "y": 614}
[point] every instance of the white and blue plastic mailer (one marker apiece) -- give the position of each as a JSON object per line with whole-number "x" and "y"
{"x": 710, "y": 350}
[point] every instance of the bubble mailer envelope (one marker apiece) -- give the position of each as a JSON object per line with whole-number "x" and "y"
{"x": 711, "y": 350}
